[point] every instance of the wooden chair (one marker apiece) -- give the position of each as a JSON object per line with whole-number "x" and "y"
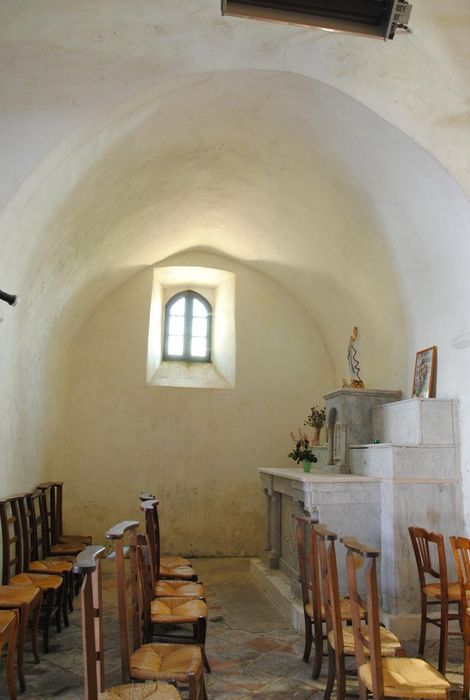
{"x": 34, "y": 559}
{"x": 461, "y": 551}
{"x": 28, "y": 602}
{"x": 164, "y": 588}
{"x": 8, "y": 634}
{"x": 47, "y": 497}
{"x": 168, "y": 568}
{"x": 430, "y": 555}
{"x": 385, "y": 677}
{"x": 309, "y": 574}
{"x": 340, "y": 638}
{"x": 13, "y": 574}
{"x": 183, "y": 663}
{"x": 170, "y": 611}
{"x": 89, "y": 566}
{"x": 40, "y": 549}
{"x": 53, "y": 491}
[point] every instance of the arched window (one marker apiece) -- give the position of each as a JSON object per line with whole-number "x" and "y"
{"x": 188, "y": 326}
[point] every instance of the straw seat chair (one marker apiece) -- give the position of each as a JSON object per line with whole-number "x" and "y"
{"x": 170, "y": 611}
{"x": 8, "y": 634}
{"x": 461, "y": 552}
{"x": 168, "y": 568}
{"x": 89, "y": 566}
{"x": 167, "y": 561}
{"x": 164, "y": 587}
{"x": 33, "y": 550}
{"x": 340, "y": 638}
{"x": 385, "y": 677}
{"x": 28, "y": 602}
{"x": 430, "y": 555}
{"x": 51, "y": 513}
{"x": 53, "y": 491}
{"x": 158, "y": 661}
{"x": 309, "y": 572}
{"x": 13, "y": 574}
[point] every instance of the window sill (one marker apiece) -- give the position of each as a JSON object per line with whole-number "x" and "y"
{"x": 190, "y": 375}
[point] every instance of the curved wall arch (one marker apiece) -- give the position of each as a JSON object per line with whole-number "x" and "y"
{"x": 275, "y": 170}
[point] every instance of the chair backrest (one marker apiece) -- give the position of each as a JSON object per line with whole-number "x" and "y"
{"x": 330, "y": 584}
{"x": 27, "y": 535}
{"x": 12, "y": 553}
{"x": 147, "y": 587}
{"x": 52, "y": 492}
{"x": 36, "y": 512}
{"x": 124, "y": 538}
{"x": 309, "y": 571}
{"x": 461, "y": 551}
{"x": 152, "y": 531}
{"x": 89, "y": 565}
{"x": 359, "y": 554}
{"x": 429, "y": 551}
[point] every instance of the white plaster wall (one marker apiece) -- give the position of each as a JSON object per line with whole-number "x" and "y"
{"x": 119, "y": 128}
{"x": 197, "y": 449}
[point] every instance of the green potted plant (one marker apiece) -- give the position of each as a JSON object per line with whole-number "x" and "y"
{"x": 302, "y": 451}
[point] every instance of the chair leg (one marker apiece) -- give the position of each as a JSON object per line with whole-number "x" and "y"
{"x": 23, "y": 628}
{"x": 331, "y": 673}
{"x": 35, "y": 629}
{"x": 308, "y": 638}
{"x": 466, "y": 669}
{"x": 201, "y": 637}
{"x": 422, "y": 636}
{"x": 318, "y": 642}
{"x": 340, "y": 678}
{"x": 47, "y": 619}
{"x": 58, "y": 611}
{"x": 11, "y": 661}
{"x": 65, "y": 599}
{"x": 443, "y": 638}
{"x": 362, "y": 691}
{"x": 195, "y": 690}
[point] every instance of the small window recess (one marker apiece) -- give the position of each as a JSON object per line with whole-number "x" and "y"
{"x": 210, "y": 286}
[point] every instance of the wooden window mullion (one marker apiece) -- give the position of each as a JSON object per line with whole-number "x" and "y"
{"x": 188, "y": 323}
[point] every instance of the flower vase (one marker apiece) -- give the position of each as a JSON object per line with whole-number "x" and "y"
{"x": 307, "y": 466}
{"x": 316, "y": 436}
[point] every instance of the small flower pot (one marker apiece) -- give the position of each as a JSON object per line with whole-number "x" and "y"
{"x": 307, "y": 466}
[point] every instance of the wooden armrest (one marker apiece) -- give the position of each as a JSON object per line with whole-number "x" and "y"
{"x": 86, "y": 560}
{"x": 358, "y": 548}
{"x": 118, "y": 531}
{"x": 146, "y": 496}
{"x": 305, "y": 519}
{"x": 324, "y": 533}
{"x": 148, "y": 505}
{"x": 45, "y": 485}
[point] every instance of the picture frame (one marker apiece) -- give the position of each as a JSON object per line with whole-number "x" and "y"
{"x": 424, "y": 375}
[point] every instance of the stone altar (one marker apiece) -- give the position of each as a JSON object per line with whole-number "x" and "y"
{"x": 412, "y": 479}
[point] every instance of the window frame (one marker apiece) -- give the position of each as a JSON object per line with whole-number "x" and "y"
{"x": 189, "y": 295}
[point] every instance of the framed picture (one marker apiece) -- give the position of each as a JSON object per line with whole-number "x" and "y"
{"x": 424, "y": 377}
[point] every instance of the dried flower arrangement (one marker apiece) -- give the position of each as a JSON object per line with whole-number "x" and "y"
{"x": 316, "y": 418}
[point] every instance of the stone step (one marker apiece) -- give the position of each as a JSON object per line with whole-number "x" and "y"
{"x": 404, "y": 461}
{"x": 416, "y": 422}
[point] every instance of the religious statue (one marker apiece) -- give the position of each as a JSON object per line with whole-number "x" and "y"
{"x": 353, "y": 362}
